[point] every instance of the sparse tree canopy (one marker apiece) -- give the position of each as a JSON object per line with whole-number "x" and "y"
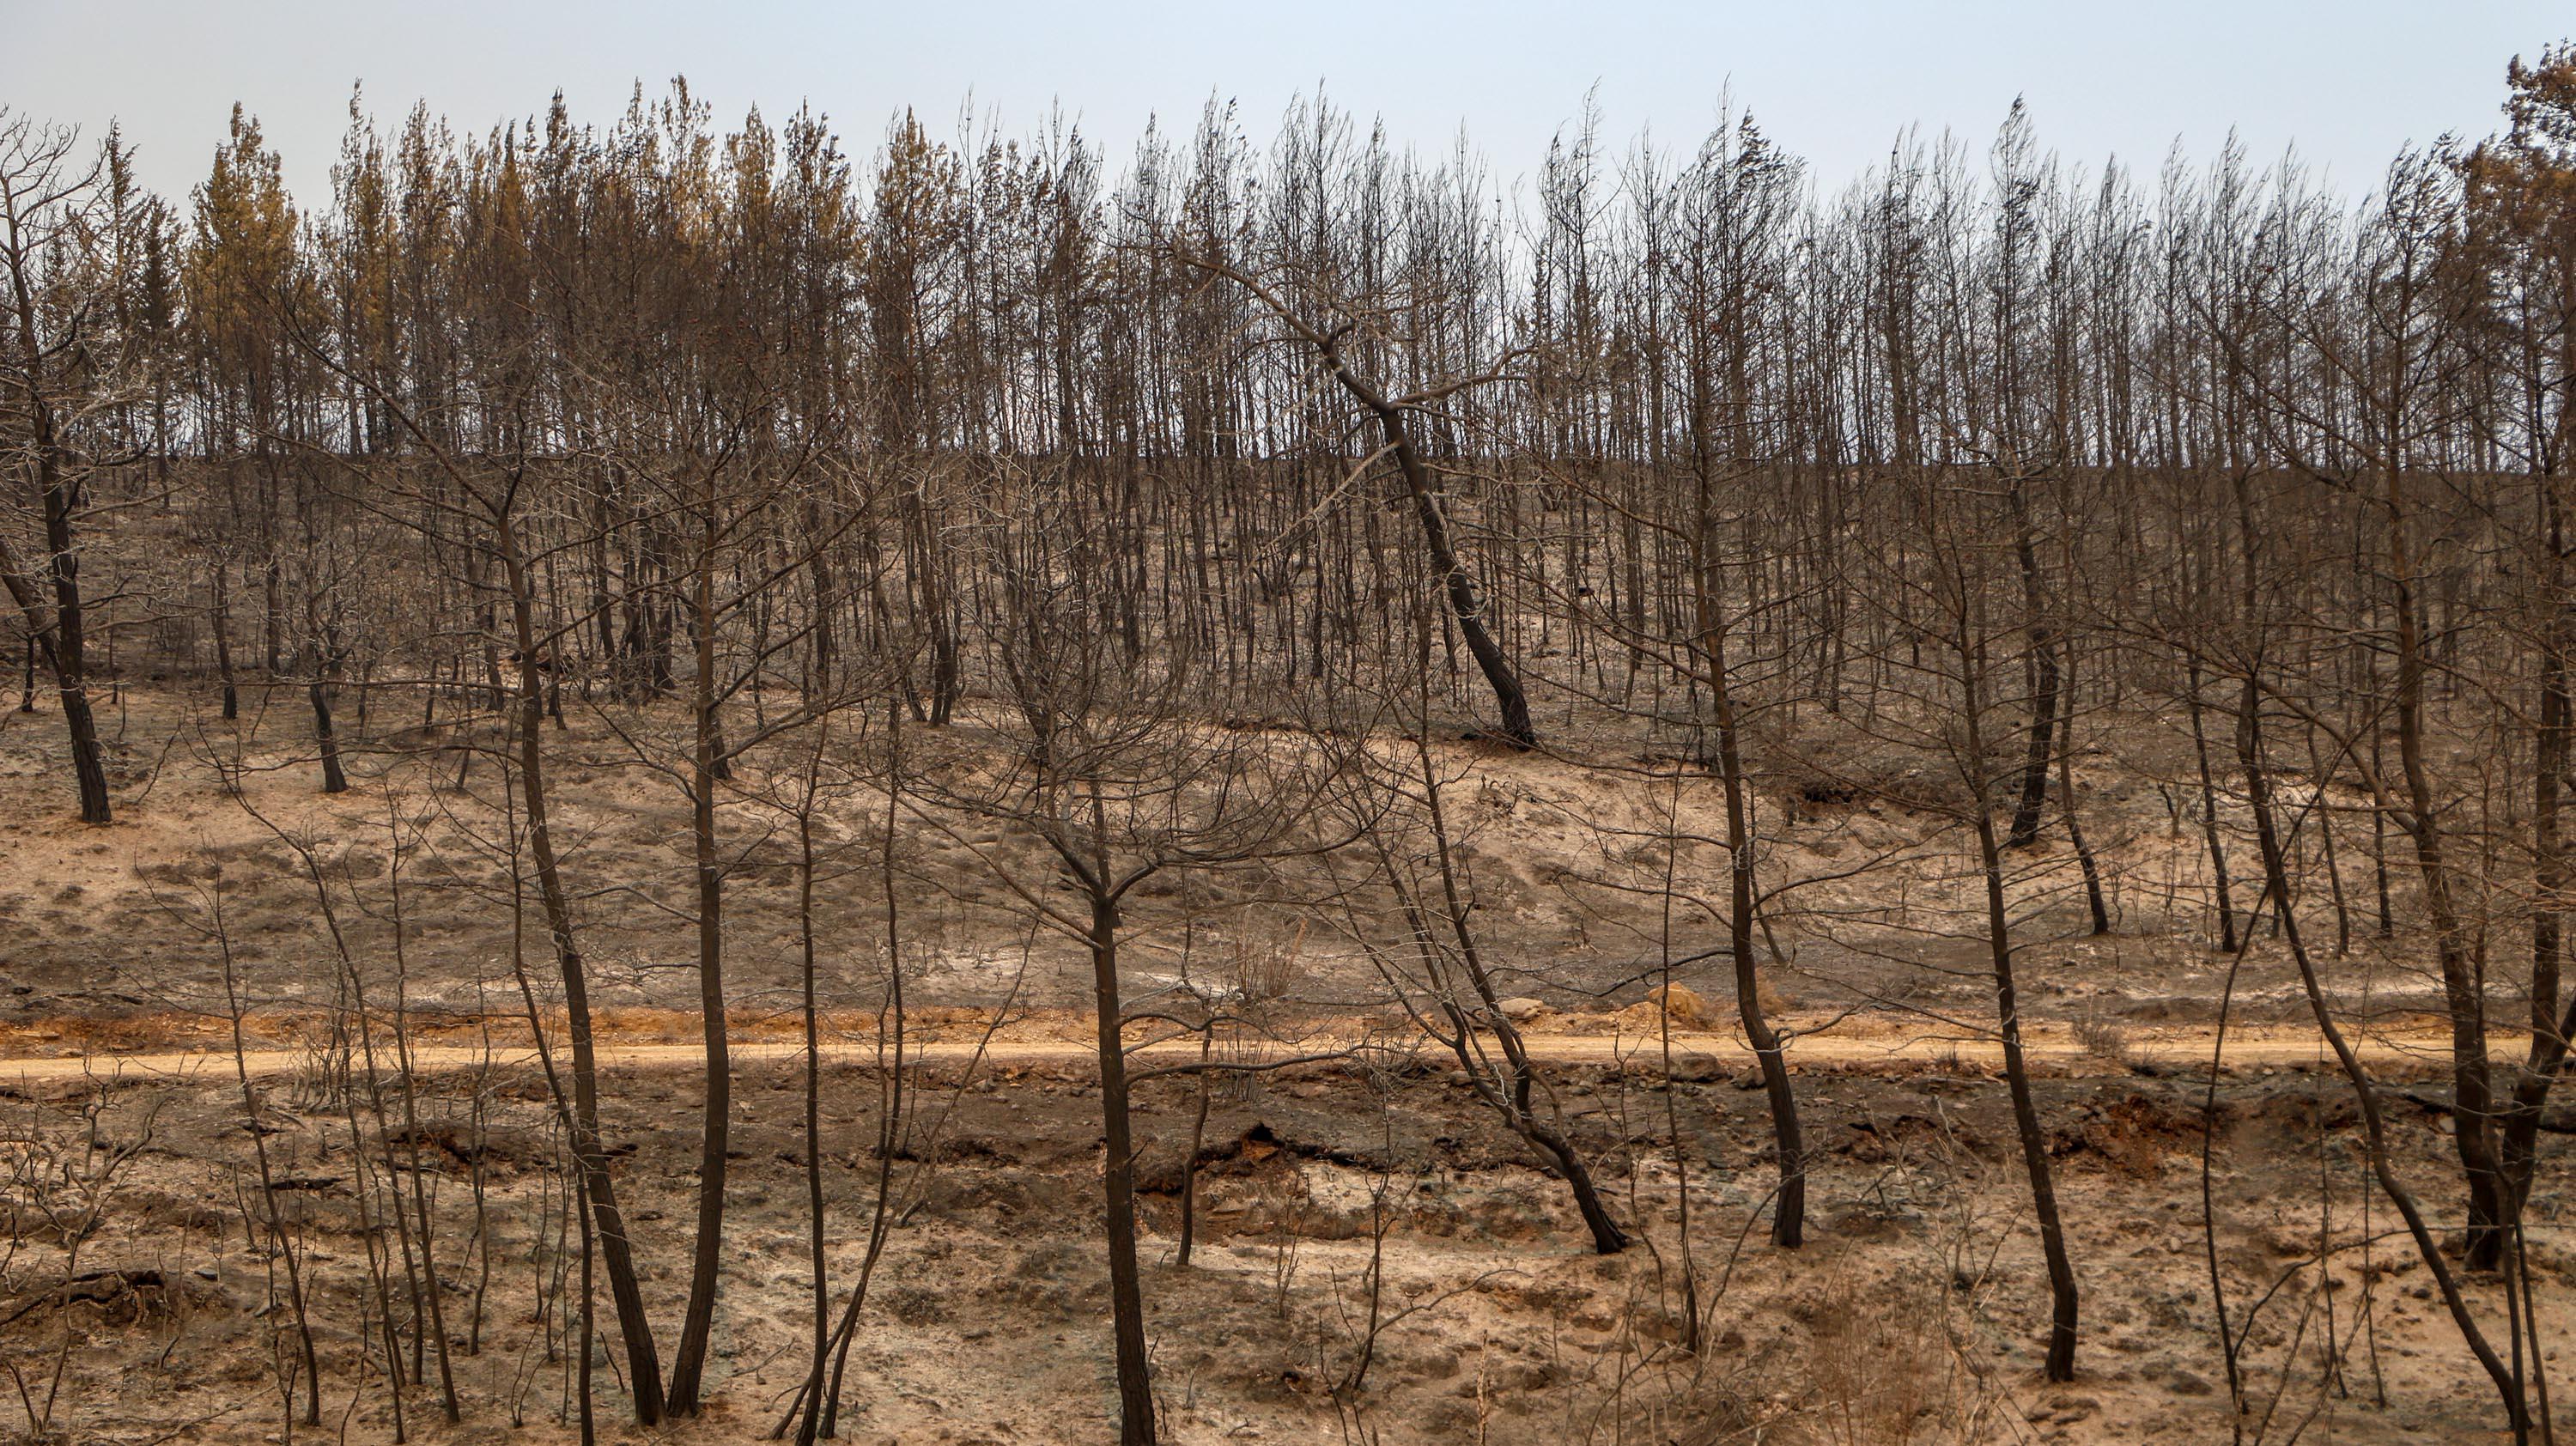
{"x": 993, "y": 648}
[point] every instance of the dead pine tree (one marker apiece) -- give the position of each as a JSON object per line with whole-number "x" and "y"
{"x": 1330, "y": 341}
{"x": 1445, "y": 982}
{"x": 1971, "y": 755}
{"x": 1441, "y": 976}
{"x": 59, "y": 368}
{"x": 1966, "y": 625}
{"x": 1116, "y": 774}
{"x": 1719, "y": 247}
{"x": 480, "y": 508}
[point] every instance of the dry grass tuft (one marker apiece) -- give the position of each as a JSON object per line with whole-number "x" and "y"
{"x": 2106, "y": 1039}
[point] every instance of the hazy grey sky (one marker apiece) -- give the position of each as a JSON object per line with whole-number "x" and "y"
{"x": 2347, "y": 82}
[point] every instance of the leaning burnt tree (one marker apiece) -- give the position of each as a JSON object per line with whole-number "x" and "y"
{"x": 1330, "y": 342}
{"x": 59, "y": 368}
{"x": 1442, "y": 974}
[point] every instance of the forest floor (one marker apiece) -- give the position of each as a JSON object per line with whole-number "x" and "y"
{"x": 1915, "y": 1312}
{"x": 1368, "y": 1188}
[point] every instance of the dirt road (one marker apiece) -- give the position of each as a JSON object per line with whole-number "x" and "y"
{"x": 1852, "y": 1045}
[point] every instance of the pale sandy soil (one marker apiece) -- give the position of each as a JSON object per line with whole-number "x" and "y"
{"x": 1914, "y": 1314}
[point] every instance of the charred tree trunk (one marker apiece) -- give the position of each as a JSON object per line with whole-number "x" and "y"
{"x": 2209, "y": 809}
{"x": 2092, "y": 868}
{"x": 2060, "y": 1365}
{"x": 1510, "y": 1086}
{"x": 326, "y": 736}
{"x": 616, "y": 1252}
{"x": 58, "y": 627}
{"x": 688, "y": 1362}
{"x": 1118, "y": 1180}
{"x": 2045, "y": 679}
{"x": 1460, "y": 585}
{"x": 221, "y": 621}
{"x": 1789, "y": 1212}
{"x": 1466, "y": 607}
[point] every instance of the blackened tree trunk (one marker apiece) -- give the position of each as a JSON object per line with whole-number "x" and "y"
{"x": 1789, "y": 1211}
{"x": 59, "y": 625}
{"x": 2092, "y": 868}
{"x": 1466, "y": 606}
{"x": 317, "y": 692}
{"x": 326, "y": 735}
{"x": 2060, "y": 1365}
{"x": 688, "y": 1362}
{"x": 1118, "y": 1179}
{"x": 2044, "y": 678}
{"x": 2473, "y": 1101}
{"x": 1460, "y": 585}
{"x": 220, "y": 608}
{"x": 616, "y": 1251}
{"x": 1508, "y": 1085}
{"x": 2209, "y": 809}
